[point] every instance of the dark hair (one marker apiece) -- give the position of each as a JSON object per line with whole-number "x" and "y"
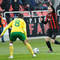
{"x": 20, "y": 16}
{"x": 51, "y": 7}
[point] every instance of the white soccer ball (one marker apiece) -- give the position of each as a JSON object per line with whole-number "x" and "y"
{"x": 36, "y": 50}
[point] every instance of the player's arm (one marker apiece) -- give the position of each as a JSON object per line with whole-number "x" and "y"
{"x": 25, "y": 31}
{"x": 42, "y": 20}
{"x": 45, "y": 22}
{"x": 9, "y": 25}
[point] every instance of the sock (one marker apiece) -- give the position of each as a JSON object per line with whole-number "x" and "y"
{"x": 56, "y": 42}
{"x": 11, "y": 49}
{"x": 49, "y": 45}
{"x": 29, "y": 48}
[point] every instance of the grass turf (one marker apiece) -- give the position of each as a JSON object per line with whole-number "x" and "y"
{"x": 21, "y": 52}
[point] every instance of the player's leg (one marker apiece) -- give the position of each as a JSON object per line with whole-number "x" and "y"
{"x": 53, "y": 39}
{"x": 12, "y": 39}
{"x": 23, "y": 38}
{"x": 47, "y": 40}
{"x": 29, "y": 47}
{"x": 48, "y": 44}
{"x": 11, "y": 49}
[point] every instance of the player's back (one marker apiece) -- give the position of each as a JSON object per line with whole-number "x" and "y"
{"x": 17, "y": 25}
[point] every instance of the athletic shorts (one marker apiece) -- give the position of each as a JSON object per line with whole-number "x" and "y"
{"x": 51, "y": 33}
{"x": 15, "y": 35}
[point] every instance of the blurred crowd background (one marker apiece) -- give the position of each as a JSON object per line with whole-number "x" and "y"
{"x": 24, "y": 5}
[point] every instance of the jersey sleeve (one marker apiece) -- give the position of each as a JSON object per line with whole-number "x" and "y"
{"x": 24, "y": 28}
{"x": 9, "y": 25}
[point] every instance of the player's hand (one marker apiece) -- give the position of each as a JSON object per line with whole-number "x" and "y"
{"x": 0, "y": 36}
{"x": 41, "y": 19}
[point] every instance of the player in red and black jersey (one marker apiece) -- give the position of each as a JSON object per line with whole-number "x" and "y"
{"x": 51, "y": 19}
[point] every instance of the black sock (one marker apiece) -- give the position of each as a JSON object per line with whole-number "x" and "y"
{"x": 49, "y": 45}
{"x": 56, "y": 42}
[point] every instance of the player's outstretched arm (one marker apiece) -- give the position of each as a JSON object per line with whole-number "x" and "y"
{"x": 24, "y": 27}
{"x": 9, "y": 25}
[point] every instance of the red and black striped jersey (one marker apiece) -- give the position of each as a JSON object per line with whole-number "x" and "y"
{"x": 51, "y": 19}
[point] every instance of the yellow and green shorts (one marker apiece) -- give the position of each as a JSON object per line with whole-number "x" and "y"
{"x": 15, "y": 35}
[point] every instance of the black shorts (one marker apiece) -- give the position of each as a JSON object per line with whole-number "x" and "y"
{"x": 51, "y": 33}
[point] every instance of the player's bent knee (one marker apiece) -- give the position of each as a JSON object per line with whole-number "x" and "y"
{"x": 25, "y": 41}
{"x": 47, "y": 39}
{"x": 52, "y": 41}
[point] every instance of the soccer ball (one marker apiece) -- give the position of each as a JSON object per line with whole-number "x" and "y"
{"x": 36, "y": 50}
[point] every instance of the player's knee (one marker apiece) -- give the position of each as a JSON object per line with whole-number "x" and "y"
{"x": 25, "y": 42}
{"x": 46, "y": 39}
{"x": 52, "y": 41}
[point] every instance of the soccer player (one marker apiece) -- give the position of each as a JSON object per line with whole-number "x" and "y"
{"x": 53, "y": 27}
{"x": 18, "y": 26}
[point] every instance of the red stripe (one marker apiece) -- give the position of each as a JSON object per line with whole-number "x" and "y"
{"x": 57, "y": 22}
{"x": 54, "y": 22}
{"x": 46, "y": 18}
{"x": 56, "y": 16}
{"x": 51, "y": 24}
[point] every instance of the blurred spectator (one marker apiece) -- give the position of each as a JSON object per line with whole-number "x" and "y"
{"x": 26, "y": 5}
{"x": 6, "y": 5}
{"x": 29, "y": 4}
{"x": 1, "y": 9}
{"x": 21, "y": 8}
{"x": 15, "y": 4}
{"x": 1, "y": 26}
{"x": 33, "y": 4}
{"x": 1, "y": 2}
{"x": 39, "y": 1}
{"x": 20, "y": 1}
{"x": 41, "y": 4}
{"x": 45, "y": 7}
{"x": 24, "y": 2}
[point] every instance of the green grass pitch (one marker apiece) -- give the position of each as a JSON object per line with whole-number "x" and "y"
{"x": 21, "y": 52}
